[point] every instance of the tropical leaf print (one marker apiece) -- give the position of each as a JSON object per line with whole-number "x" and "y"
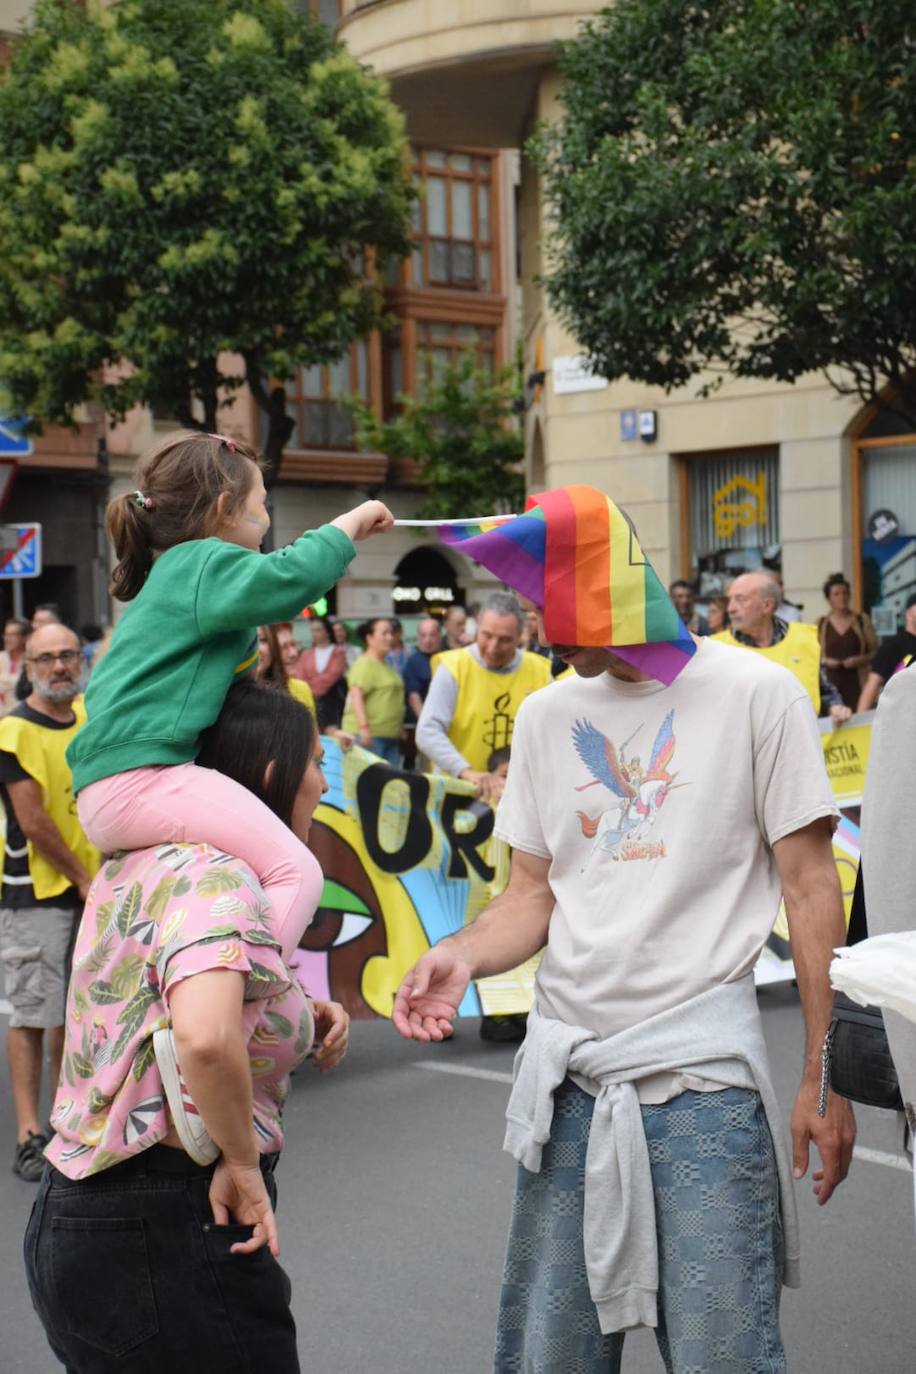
{"x": 228, "y": 930}
{"x": 113, "y": 868}
{"x": 131, "y": 1018}
{"x": 103, "y": 994}
{"x": 74, "y": 1152}
{"x": 142, "y": 930}
{"x": 261, "y": 937}
{"x": 280, "y": 1025}
{"x": 143, "y": 1059}
{"x": 126, "y": 976}
{"x": 217, "y": 881}
{"x": 161, "y": 896}
{"x": 82, "y": 1065}
{"x": 170, "y": 927}
{"x": 99, "y": 957}
{"x": 140, "y": 1118}
{"x": 227, "y": 906}
{"x": 97, "y": 1101}
{"x": 103, "y": 913}
{"x": 266, "y": 975}
{"x": 129, "y": 909}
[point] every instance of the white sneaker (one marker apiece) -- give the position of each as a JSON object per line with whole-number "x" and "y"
{"x": 187, "y": 1119}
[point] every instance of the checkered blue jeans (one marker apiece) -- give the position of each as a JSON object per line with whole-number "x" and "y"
{"x": 719, "y": 1244}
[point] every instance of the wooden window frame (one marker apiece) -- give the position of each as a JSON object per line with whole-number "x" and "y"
{"x": 449, "y": 175}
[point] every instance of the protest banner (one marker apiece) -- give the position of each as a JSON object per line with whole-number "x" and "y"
{"x": 408, "y": 858}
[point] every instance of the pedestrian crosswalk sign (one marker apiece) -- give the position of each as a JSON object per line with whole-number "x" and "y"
{"x": 14, "y": 442}
{"x": 24, "y": 558}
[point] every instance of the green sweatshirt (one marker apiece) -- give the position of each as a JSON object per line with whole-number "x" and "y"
{"x": 181, "y": 642}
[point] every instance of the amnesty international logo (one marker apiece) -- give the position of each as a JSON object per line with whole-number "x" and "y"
{"x": 498, "y": 727}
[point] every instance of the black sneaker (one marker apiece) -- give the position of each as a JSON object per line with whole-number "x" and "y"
{"x": 30, "y": 1161}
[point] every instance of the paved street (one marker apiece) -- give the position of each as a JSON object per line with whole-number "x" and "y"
{"x": 395, "y": 1199}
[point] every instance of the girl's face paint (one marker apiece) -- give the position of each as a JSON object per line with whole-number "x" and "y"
{"x": 250, "y": 524}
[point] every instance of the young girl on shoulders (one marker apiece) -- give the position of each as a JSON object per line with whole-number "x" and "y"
{"x": 187, "y": 543}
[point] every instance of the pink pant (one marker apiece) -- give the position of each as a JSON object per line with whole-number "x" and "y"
{"x": 150, "y": 806}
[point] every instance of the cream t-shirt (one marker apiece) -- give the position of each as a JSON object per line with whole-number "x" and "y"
{"x": 658, "y": 808}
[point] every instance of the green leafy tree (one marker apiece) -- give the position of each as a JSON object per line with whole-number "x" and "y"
{"x": 182, "y": 180}
{"x": 463, "y": 432}
{"x": 733, "y": 186}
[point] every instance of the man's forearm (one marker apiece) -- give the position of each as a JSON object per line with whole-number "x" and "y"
{"x": 510, "y": 930}
{"x": 816, "y": 928}
{"x": 44, "y": 835}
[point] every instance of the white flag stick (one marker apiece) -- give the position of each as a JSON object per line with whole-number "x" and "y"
{"x": 466, "y": 520}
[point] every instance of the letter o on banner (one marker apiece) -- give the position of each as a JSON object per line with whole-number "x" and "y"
{"x": 419, "y": 837}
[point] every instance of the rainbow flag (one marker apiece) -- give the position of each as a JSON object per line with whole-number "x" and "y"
{"x": 575, "y": 555}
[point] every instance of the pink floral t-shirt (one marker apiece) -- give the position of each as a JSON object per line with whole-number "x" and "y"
{"x": 152, "y": 918}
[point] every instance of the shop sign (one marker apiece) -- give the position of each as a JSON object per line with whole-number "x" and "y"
{"x": 423, "y": 594}
{"x": 882, "y": 526}
{"x": 739, "y": 504}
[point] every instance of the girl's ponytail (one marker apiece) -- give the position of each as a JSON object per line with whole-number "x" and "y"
{"x": 128, "y": 529}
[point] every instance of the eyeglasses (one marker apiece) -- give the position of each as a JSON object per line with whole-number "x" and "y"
{"x": 67, "y": 658}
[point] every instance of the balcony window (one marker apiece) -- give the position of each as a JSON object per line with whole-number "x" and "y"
{"x": 453, "y": 229}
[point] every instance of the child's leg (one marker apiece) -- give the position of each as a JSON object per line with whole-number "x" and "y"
{"x": 149, "y": 806}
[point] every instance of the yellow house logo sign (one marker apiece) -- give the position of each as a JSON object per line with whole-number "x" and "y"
{"x": 740, "y": 503}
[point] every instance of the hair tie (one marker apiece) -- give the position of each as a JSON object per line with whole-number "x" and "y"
{"x": 145, "y": 502}
{"x": 224, "y": 439}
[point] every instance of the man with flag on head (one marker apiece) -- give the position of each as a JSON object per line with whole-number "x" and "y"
{"x": 654, "y": 1186}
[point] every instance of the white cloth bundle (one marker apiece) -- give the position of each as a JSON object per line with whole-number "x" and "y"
{"x": 879, "y": 972}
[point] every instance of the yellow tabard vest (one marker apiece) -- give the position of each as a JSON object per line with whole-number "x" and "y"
{"x": 800, "y": 652}
{"x": 41, "y": 753}
{"x": 488, "y": 702}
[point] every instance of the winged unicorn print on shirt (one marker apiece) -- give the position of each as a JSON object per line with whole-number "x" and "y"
{"x": 638, "y": 794}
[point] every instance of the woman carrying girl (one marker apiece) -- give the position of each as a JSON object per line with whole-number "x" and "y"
{"x": 138, "y": 1257}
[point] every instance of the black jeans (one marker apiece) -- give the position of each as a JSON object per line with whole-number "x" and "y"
{"x": 128, "y": 1273}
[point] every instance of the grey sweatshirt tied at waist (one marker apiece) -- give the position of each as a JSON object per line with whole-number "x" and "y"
{"x": 621, "y": 1254}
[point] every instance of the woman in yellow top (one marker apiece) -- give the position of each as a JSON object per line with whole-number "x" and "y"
{"x": 375, "y": 701}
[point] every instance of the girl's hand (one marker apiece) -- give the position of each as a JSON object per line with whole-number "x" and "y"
{"x": 332, "y": 1034}
{"x": 366, "y": 736}
{"x": 372, "y": 517}
{"x": 238, "y": 1193}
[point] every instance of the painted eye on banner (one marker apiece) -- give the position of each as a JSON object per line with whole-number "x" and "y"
{"x": 341, "y": 918}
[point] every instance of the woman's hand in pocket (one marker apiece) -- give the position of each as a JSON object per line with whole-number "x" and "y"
{"x": 238, "y": 1193}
